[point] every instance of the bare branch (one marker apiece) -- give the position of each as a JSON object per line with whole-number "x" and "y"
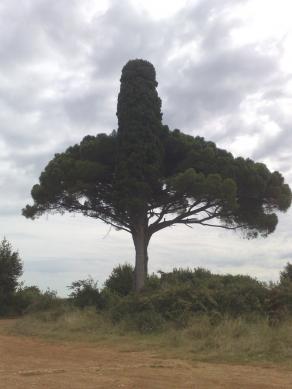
{"x": 97, "y": 213}
{"x": 182, "y": 218}
{"x": 222, "y": 226}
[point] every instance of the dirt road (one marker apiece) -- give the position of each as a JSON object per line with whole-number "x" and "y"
{"x": 28, "y": 363}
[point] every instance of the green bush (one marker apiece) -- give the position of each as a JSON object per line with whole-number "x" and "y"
{"x": 109, "y": 298}
{"x": 196, "y": 277}
{"x": 128, "y": 306}
{"x": 85, "y": 293}
{"x": 153, "y": 283}
{"x": 137, "y": 313}
{"x": 46, "y": 301}
{"x": 183, "y": 294}
{"x": 25, "y": 297}
{"x": 279, "y": 303}
{"x": 121, "y": 280}
{"x": 178, "y": 303}
{"x": 176, "y": 298}
{"x": 239, "y": 295}
{"x": 145, "y": 322}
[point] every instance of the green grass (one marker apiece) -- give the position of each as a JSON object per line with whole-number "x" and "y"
{"x": 241, "y": 340}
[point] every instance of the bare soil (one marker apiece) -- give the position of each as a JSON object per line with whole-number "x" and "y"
{"x": 29, "y": 363}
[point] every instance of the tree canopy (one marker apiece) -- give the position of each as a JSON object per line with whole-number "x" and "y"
{"x": 145, "y": 177}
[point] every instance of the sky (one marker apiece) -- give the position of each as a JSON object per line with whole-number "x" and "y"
{"x": 224, "y": 70}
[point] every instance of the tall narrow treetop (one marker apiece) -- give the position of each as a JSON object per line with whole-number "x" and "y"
{"x": 140, "y": 152}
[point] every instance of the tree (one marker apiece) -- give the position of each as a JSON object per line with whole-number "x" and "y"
{"x": 286, "y": 274}
{"x": 145, "y": 177}
{"x": 10, "y": 271}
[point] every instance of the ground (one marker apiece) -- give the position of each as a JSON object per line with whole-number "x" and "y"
{"x": 29, "y": 363}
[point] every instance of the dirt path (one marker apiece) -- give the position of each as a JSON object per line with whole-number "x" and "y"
{"x": 28, "y": 363}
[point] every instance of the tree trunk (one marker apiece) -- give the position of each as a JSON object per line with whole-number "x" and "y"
{"x": 141, "y": 240}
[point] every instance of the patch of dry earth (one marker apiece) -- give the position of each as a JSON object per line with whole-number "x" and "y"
{"x": 27, "y": 363}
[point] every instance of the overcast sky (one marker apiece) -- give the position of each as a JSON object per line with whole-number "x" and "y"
{"x": 224, "y": 69}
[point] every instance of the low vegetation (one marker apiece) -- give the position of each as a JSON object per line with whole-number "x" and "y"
{"x": 190, "y": 313}
{"x": 241, "y": 339}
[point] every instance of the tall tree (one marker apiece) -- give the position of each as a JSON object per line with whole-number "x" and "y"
{"x": 144, "y": 177}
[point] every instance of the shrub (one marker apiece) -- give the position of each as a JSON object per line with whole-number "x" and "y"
{"x": 121, "y": 280}
{"x": 128, "y": 306}
{"x": 86, "y": 293}
{"x": 174, "y": 297}
{"x": 145, "y": 322}
{"x": 153, "y": 283}
{"x": 238, "y": 295}
{"x": 45, "y": 301}
{"x": 109, "y": 298}
{"x": 196, "y": 277}
{"x": 279, "y": 303}
{"x": 178, "y": 296}
{"x": 137, "y": 313}
{"x": 25, "y": 297}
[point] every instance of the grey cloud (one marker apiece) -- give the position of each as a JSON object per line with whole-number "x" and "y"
{"x": 282, "y": 141}
{"x": 52, "y": 266}
{"x": 277, "y": 147}
{"x": 215, "y": 84}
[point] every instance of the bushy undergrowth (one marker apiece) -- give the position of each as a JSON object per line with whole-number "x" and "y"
{"x": 179, "y": 296}
{"x": 85, "y": 293}
{"x": 121, "y": 280}
{"x": 242, "y": 339}
{"x": 194, "y": 312}
{"x": 28, "y": 299}
{"x": 176, "y": 298}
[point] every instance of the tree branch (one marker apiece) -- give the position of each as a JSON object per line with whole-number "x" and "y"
{"x": 96, "y": 214}
{"x": 221, "y": 226}
{"x": 182, "y": 218}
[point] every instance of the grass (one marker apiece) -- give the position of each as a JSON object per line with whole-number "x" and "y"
{"x": 241, "y": 340}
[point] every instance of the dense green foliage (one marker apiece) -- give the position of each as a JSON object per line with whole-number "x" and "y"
{"x": 198, "y": 178}
{"x": 184, "y": 294}
{"x": 85, "y": 293}
{"x": 10, "y": 271}
{"x": 121, "y": 280}
{"x": 29, "y": 299}
{"x": 144, "y": 177}
{"x": 171, "y": 299}
{"x": 139, "y": 161}
{"x": 189, "y": 313}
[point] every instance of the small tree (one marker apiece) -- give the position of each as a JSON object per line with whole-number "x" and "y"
{"x": 286, "y": 274}
{"x": 10, "y": 271}
{"x": 144, "y": 177}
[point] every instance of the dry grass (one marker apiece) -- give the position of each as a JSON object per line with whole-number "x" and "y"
{"x": 240, "y": 340}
